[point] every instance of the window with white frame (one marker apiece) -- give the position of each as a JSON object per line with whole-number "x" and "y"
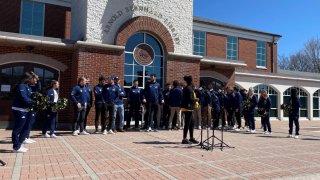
{"x": 303, "y": 101}
{"x": 232, "y": 48}
{"x": 273, "y": 95}
{"x": 142, "y": 45}
{"x": 32, "y": 18}
{"x": 199, "y": 43}
{"x": 316, "y": 104}
{"x": 261, "y": 55}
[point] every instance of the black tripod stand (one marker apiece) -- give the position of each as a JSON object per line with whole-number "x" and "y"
{"x": 206, "y": 144}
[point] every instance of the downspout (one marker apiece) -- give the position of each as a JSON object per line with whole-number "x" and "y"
{"x": 272, "y": 54}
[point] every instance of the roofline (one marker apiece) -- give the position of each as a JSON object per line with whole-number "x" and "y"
{"x": 226, "y": 25}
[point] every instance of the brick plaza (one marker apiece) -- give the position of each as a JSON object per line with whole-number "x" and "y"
{"x": 141, "y": 155}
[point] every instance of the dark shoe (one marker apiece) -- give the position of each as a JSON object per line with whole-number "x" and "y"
{"x": 114, "y": 130}
{"x": 185, "y": 141}
{"x": 194, "y": 141}
{"x": 121, "y": 130}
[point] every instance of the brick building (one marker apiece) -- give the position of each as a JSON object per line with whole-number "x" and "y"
{"x": 64, "y": 39}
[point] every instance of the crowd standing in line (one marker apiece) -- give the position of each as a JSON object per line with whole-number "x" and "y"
{"x": 180, "y": 106}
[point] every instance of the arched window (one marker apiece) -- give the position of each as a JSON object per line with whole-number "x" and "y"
{"x": 273, "y": 95}
{"x": 143, "y": 56}
{"x": 316, "y": 104}
{"x": 217, "y": 84}
{"x": 303, "y": 100}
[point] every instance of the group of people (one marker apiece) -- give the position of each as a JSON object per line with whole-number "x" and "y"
{"x": 179, "y": 106}
{"x": 24, "y": 115}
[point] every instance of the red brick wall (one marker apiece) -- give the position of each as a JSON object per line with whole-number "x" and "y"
{"x": 10, "y": 15}
{"x": 176, "y": 69}
{"x": 247, "y": 53}
{"x": 62, "y": 56}
{"x": 216, "y": 45}
{"x": 146, "y": 24}
{"x": 57, "y": 21}
{"x": 94, "y": 62}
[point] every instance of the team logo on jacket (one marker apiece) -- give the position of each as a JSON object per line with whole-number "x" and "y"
{"x": 143, "y": 54}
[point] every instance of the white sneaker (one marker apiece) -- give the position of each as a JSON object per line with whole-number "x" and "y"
{"x": 110, "y": 131}
{"x": 53, "y": 136}
{"x": 266, "y": 133}
{"x": 75, "y": 133}
{"x": 149, "y": 130}
{"x": 296, "y": 137}
{"x": 104, "y": 132}
{"x": 237, "y": 129}
{"x": 31, "y": 140}
{"x": 78, "y": 131}
{"x": 248, "y": 130}
{"x": 253, "y": 131}
{"x": 270, "y": 133}
{"x": 289, "y": 136}
{"x": 21, "y": 150}
{"x": 46, "y": 135}
{"x": 27, "y": 141}
{"x": 199, "y": 127}
{"x": 84, "y": 133}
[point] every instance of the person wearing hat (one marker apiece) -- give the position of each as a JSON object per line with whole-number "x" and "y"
{"x": 118, "y": 103}
{"x": 238, "y": 107}
{"x": 99, "y": 104}
{"x": 109, "y": 94}
{"x": 20, "y": 108}
{"x": 89, "y": 102}
{"x": 79, "y": 97}
{"x": 153, "y": 98}
{"x": 294, "y": 113}
{"x": 188, "y": 104}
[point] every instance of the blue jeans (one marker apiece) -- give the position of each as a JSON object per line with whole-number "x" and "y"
{"x": 32, "y": 120}
{"x": 119, "y": 108}
{"x": 20, "y": 128}
{"x": 50, "y": 121}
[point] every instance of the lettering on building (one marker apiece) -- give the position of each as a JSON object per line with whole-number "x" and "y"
{"x": 145, "y": 9}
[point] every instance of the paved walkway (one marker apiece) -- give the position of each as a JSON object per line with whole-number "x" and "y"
{"x": 141, "y": 155}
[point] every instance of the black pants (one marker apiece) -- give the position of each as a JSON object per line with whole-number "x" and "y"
{"x": 295, "y": 120}
{"x": 153, "y": 115}
{"x": 266, "y": 123}
{"x": 50, "y": 121}
{"x": 166, "y": 115}
{"x": 238, "y": 118}
{"x": 86, "y": 116}
{"x": 216, "y": 118}
{"x": 188, "y": 124}
{"x": 79, "y": 115}
{"x": 109, "y": 108}
{"x": 134, "y": 112}
{"x": 230, "y": 117}
{"x": 100, "y": 110}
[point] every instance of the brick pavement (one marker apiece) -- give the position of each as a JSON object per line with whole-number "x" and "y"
{"x": 141, "y": 155}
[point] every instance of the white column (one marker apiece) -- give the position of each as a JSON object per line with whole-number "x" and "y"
{"x": 280, "y": 100}
{"x": 310, "y": 107}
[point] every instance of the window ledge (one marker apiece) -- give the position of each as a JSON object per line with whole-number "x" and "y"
{"x": 261, "y": 67}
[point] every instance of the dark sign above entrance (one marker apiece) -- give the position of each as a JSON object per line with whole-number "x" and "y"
{"x": 143, "y": 54}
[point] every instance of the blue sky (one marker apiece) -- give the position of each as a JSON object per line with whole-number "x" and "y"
{"x": 296, "y": 20}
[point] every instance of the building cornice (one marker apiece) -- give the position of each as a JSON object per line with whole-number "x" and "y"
{"x": 183, "y": 56}
{"x": 217, "y": 61}
{"x": 99, "y": 46}
{"x": 276, "y": 76}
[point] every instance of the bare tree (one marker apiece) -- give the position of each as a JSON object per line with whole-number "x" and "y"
{"x": 306, "y": 60}
{"x": 312, "y": 53}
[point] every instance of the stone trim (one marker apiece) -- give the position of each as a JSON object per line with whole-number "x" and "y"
{"x": 145, "y": 24}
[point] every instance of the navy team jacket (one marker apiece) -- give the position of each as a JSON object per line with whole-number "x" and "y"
{"x": 153, "y": 92}
{"x": 22, "y": 98}
{"x": 78, "y": 95}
